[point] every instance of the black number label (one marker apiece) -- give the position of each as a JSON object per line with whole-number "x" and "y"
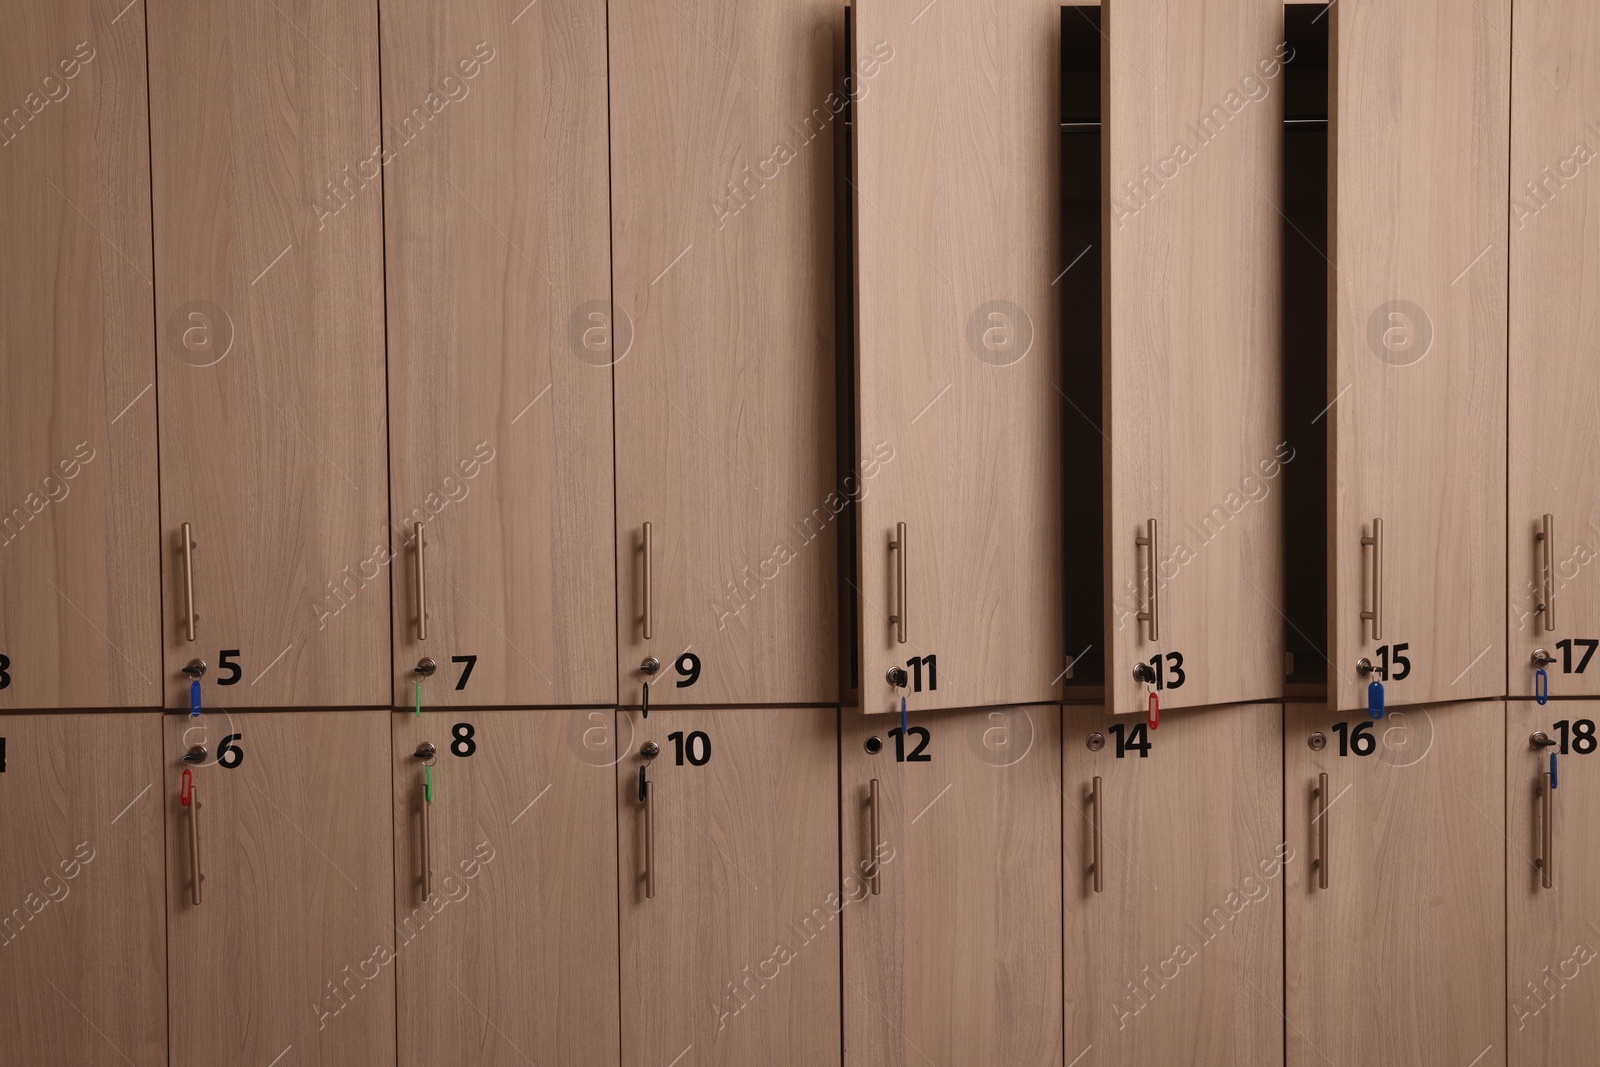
{"x": 1361, "y": 741}
{"x": 688, "y": 665}
{"x": 1134, "y": 740}
{"x": 917, "y": 754}
{"x": 916, "y": 664}
{"x": 1168, "y": 670}
{"x": 466, "y": 672}
{"x": 226, "y": 661}
{"x": 463, "y": 745}
{"x": 1579, "y": 735}
{"x": 1588, "y": 644}
{"x": 1394, "y": 656}
{"x": 696, "y": 747}
{"x": 230, "y": 755}
{"x": 5, "y": 668}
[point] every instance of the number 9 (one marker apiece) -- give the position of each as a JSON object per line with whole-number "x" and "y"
{"x": 688, "y": 665}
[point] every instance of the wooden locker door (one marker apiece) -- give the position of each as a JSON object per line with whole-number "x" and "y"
{"x": 722, "y": 134}
{"x": 498, "y": 272}
{"x": 1553, "y": 1019}
{"x": 269, "y": 311}
{"x": 291, "y": 946}
{"x": 515, "y": 957}
{"x": 1417, "y": 374}
{"x": 955, "y": 960}
{"x": 1193, "y": 352}
{"x": 957, "y": 157}
{"x": 1555, "y": 333}
{"x": 83, "y": 951}
{"x": 735, "y": 960}
{"x": 1400, "y": 959}
{"x": 1175, "y": 955}
{"x": 80, "y": 577}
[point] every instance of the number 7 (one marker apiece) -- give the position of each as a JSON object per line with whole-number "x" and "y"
{"x": 471, "y": 662}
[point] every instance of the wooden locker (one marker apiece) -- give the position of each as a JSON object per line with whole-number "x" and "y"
{"x": 516, "y": 937}
{"x": 80, "y": 576}
{"x": 957, "y": 361}
{"x": 1555, "y": 277}
{"x": 955, "y": 958}
{"x": 1174, "y": 947}
{"x": 83, "y": 952}
{"x": 723, "y": 119}
{"x": 498, "y": 268}
{"x": 266, "y": 154}
{"x": 1550, "y": 929}
{"x": 1192, "y": 364}
{"x": 729, "y": 882}
{"x": 287, "y": 943}
{"x": 1400, "y": 956}
{"x": 1417, "y": 372}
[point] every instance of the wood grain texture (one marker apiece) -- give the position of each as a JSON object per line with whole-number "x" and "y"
{"x": 736, "y": 959}
{"x": 1179, "y": 958}
{"x": 269, "y": 310}
{"x": 1551, "y": 942}
{"x": 497, "y": 226}
{"x": 1555, "y": 333}
{"x": 1400, "y": 959}
{"x": 957, "y": 959}
{"x": 957, "y": 157}
{"x": 722, "y": 183}
{"x": 79, "y": 569}
{"x": 83, "y": 948}
{"x": 1419, "y": 106}
{"x": 292, "y": 944}
{"x": 513, "y": 960}
{"x": 1193, "y": 350}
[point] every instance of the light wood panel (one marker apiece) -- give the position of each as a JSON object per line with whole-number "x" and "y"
{"x": 513, "y": 958}
{"x": 1400, "y": 959}
{"x": 1193, "y": 350}
{"x": 1555, "y": 331}
{"x": 83, "y": 952}
{"x": 957, "y": 158}
{"x": 497, "y": 224}
{"x": 1417, "y": 376}
{"x": 1550, "y": 933}
{"x": 291, "y": 946}
{"x": 269, "y": 311}
{"x": 723, "y": 122}
{"x": 1178, "y": 958}
{"x": 79, "y": 571}
{"x": 956, "y": 959}
{"x": 736, "y": 958}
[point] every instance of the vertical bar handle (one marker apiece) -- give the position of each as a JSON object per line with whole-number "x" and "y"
{"x": 422, "y": 585}
{"x": 1547, "y": 830}
{"x": 648, "y": 796}
{"x": 188, "y": 587}
{"x": 194, "y": 843}
{"x": 1375, "y": 613}
{"x": 1149, "y": 540}
{"x": 1098, "y": 867}
{"x": 427, "y": 844}
{"x": 898, "y": 547}
{"x": 875, "y": 879}
{"x": 1547, "y": 543}
{"x": 1321, "y": 862}
{"x": 649, "y": 584}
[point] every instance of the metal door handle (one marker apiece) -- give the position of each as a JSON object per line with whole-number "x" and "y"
{"x": 648, "y": 799}
{"x": 875, "y": 879}
{"x": 1321, "y": 861}
{"x": 188, "y": 586}
{"x": 649, "y": 583}
{"x": 422, "y": 585}
{"x": 1547, "y": 544}
{"x": 1375, "y": 614}
{"x": 427, "y": 844}
{"x": 1098, "y": 867}
{"x": 194, "y": 843}
{"x": 1152, "y": 613}
{"x": 1547, "y": 832}
{"x": 898, "y": 547}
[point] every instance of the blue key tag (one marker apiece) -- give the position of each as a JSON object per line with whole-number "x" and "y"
{"x": 1375, "y": 699}
{"x": 194, "y": 699}
{"x": 1541, "y": 686}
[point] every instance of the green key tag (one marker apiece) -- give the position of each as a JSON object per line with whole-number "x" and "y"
{"x": 427, "y": 783}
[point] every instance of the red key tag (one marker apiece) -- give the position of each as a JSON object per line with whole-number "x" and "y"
{"x": 1153, "y": 710}
{"x": 186, "y": 790}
